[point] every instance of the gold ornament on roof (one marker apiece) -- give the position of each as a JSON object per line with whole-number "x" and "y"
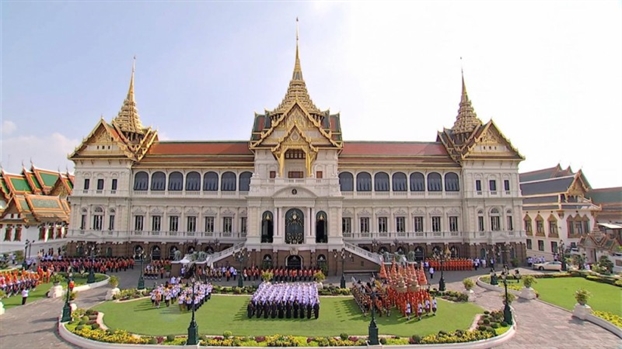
{"x": 467, "y": 119}
{"x": 128, "y": 119}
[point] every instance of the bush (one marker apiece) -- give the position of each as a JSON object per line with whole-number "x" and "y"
{"x": 170, "y": 338}
{"x": 504, "y": 324}
{"x": 383, "y": 341}
{"x": 153, "y": 340}
{"x": 344, "y": 336}
{"x": 227, "y": 334}
{"x": 95, "y": 326}
{"x": 468, "y": 284}
{"x": 79, "y": 327}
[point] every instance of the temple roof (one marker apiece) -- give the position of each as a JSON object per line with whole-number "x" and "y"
{"x": 547, "y": 186}
{"x": 466, "y": 120}
{"x": 553, "y": 172}
{"x": 611, "y": 195}
{"x": 128, "y": 119}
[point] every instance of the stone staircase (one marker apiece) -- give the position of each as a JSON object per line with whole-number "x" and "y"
{"x": 370, "y": 256}
{"x": 217, "y": 256}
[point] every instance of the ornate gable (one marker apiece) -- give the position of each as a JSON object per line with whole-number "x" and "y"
{"x": 489, "y": 142}
{"x": 579, "y": 186}
{"x": 102, "y": 142}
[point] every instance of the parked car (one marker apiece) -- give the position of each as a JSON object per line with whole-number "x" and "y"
{"x": 555, "y": 265}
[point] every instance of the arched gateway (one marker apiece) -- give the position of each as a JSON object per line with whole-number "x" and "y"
{"x": 294, "y": 262}
{"x": 294, "y": 226}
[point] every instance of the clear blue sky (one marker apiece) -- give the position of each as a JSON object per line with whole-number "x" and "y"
{"x": 547, "y": 72}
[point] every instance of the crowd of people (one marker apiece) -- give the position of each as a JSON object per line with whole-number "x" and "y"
{"x": 157, "y": 269}
{"x": 15, "y": 281}
{"x": 284, "y": 300}
{"x": 83, "y": 264}
{"x": 174, "y": 291}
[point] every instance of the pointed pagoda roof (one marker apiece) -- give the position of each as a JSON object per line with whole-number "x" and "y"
{"x": 128, "y": 120}
{"x": 297, "y": 90}
{"x": 467, "y": 119}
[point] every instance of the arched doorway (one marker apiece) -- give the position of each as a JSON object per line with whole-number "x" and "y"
{"x": 267, "y": 227}
{"x": 155, "y": 253}
{"x": 209, "y": 250}
{"x": 321, "y": 264}
{"x": 419, "y": 254}
{"x": 266, "y": 262}
{"x": 171, "y": 252}
{"x": 321, "y": 224}
{"x": 455, "y": 252}
{"x": 109, "y": 252}
{"x": 294, "y": 226}
{"x": 482, "y": 253}
{"x": 401, "y": 250}
{"x": 293, "y": 262}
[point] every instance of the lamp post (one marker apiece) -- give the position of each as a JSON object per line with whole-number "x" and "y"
{"x": 342, "y": 282}
{"x": 67, "y": 308}
{"x": 25, "y": 263}
{"x": 374, "y": 245}
{"x": 141, "y": 279}
{"x": 91, "y": 277}
{"x": 193, "y": 329}
{"x": 442, "y": 255}
{"x": 562, "y": 254}
{"x": 373, "y": 327}
{"x": 242, "y": 256}
{"x": 507, "y": 311}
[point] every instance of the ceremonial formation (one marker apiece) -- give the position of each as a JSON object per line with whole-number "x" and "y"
{"x": 401, "y": 287}
{"x": 15, "y": 281}
{"x": 81, "y": 264}
{"x": 284, "y": 300}
{"x": 188, "y": 296}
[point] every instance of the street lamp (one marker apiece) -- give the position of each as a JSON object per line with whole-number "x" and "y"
{"x": 374, "y": 244}
{"x": 562, "y": 254}
{"x": 193, "y": 329}
{"x": 241, "y": 256}
{"x": 442, "y": 255}
{"x": 373, "y": 327}
{"x": 25, "y": 263}
{"x": 342, "y": 282}
{"x": 91, "y": 278}
{"x": 141, "y": 279}
{"x": 67, "y": 308}
{"x": 507, "y": 312}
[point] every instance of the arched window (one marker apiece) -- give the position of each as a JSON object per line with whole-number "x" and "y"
{"x": 381, "y": 181}
{"x": 417, "y": 181}
{"x": 141, "y": 181}
{"x": 452, "y": 183}
{"x": 321, "y": 227}
{"x": 495, "y": 220}
{"x": 346, "y": 181}
{"x": 267, "y": 227}
{"x": 399, "y": 182}
{"x": 210, "y": 181}
{"x": 363, "y": 182}
{"x": 193, "y": 181}
{"x": 158, "y": 181}
{"x": 175, "y": 181}
{"x": 435, "y": 183}
{"x": 245, "y": 181}
{"x": 228, "y": 181}
{"x": 98, "y": 218}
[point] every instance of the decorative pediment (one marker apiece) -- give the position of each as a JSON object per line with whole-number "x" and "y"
{"x": 191, "y": 210}
{"x": 209, "y": 212}
{"x": 488, "y": 142}
{"x": 139, "y": 210}
{"x": 243, "y": 213}
{"x": 401, "y": 211}
{"x": 295, "y": 193}
{"x": 382, "y": 212}
{"x": 156, "y": 210}
{"x": 228, "y": 212}
{"x": 454, "y": 211}
{"x": 364, "y": 212}
{"x": 173, "y": 210}
{"x": 346, "y": 212}
{"x": 419, "y": 211}
{"x": 103, "y": 141}
{"x": 436, "y": 211}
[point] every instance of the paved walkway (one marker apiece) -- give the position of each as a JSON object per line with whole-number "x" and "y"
{"x": 539, "y": 325}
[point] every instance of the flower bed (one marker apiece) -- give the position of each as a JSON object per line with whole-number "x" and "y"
{"x": 129, "y": 294}
{"x": 609, "y": 317}
{"x": 453, "y": 296}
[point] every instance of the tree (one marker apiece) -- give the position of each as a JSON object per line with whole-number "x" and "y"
{"x": 605, "y": 264}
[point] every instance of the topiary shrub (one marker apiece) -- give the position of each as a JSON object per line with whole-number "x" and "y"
{"x": 383, "y": 341}
{"x": 79, "y": 327}
{"x": 344, "y": 336}
{"x": 170, "y": 338}
{"x": 227, "y": 334}
{"x": 95, "y": 326}
{"x": 153, "y": 340}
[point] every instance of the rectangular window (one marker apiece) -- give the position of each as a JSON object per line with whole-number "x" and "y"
{"x": 528, "y": 226}
{"x": 100, "y": 184}
{"x": 111, "y": 222}
{"x": 400, "y": 224}
{"x": 540, "y": 245}
{"x": 579, "y": 228}
{"x": 529, "y": 244}
{"x": 191, "y": 224}
{"x": 506, "y": 184}
{"x": 227, "y": 224}
{"x": 492, "y": 185}
{"x": 114, "y": 184}
{"x": 272, "y": 174}
{"x": 478, "y": 185}
{"x": 243, "y": 221}
{"x": 553, "y": 227}
{"x": 138, "y": 223}
{"x": 346, "y": 225}
{"x": 209, "y": 224}
{"x": 495, "y": 223}
{"x": 97, "y": 222}
{"x": 83, "y": 222}
{"x": 418, "y": 224}
{"x": 480, "y": 223}
{"x": 382, "y": 224}
{"x": 156, "y": 223}
{"x": 453, "y": 223}
{"x": 295, "y": 174}
{"x": 319, "y": 174}
{"x": 436, "y": 223}
{"x": 540, "y": 227}
{"x": 364, "y": 224}
{"x": 554, "y": 247}
{"x": 173, "y": 223}
{"x": 87, "y": 183}
{"x": 510, "y": 223}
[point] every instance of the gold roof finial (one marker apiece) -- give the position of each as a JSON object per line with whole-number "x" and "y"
{"x": 297, "y": 87}
{"x": 467, "y": 119}
{"x": 128, "y": 119}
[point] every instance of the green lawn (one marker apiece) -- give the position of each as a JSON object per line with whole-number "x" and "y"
{"x": 228, "y": 313}
{"x": 560, "y": 291}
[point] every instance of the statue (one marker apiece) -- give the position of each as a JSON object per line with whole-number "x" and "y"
{"x": 177, "y": 255}
{"x": 411, "y": 256}
{"x": 387, "y": 257}
{"x": 202, "y": 256}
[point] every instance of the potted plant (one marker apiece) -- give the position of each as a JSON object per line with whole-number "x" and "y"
{"x": 56, "y": 279}
{"x": 114, "y": 282}
{"x": 319, "y": 277}
{"x": 527, "y": 292}
{"x": 468, "y": 287}
{"x": 581, "y": 309}
{"x": 266, "y": 276}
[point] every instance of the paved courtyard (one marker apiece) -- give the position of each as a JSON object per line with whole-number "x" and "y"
{"x": 539, "y": 325}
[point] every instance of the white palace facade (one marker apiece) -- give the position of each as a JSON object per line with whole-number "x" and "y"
{"x": 296, "y": 193}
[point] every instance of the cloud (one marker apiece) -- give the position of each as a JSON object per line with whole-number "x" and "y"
{"x": 48, "y": 152}
{"x": 8, "y": 127}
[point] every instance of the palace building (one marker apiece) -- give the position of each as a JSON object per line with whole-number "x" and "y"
{"x": 296, "y": 193}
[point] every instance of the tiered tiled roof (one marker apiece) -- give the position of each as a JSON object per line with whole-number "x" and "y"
{"x": 32, "y": 195}
{"x": 610, "y": 200}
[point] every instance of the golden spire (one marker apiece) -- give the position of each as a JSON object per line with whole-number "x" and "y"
{"x": 128, "y": 120}
{"x": 467, "y": 119}
{"x": 297, "y": 90}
